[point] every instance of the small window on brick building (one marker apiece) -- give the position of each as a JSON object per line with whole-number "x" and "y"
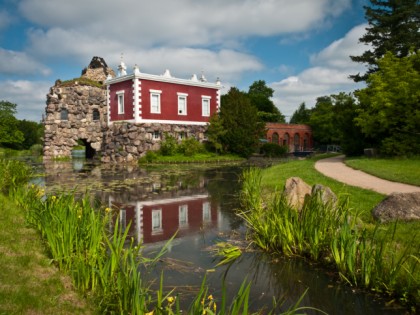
{"x": 182, "y": 104}
{"x": 156, "y": 135}
{"x": 120, "y": 101}
{"x": 64, "y": 114}
{"x": 155, "y": 101}
{"x": 205, "y": 106}
{"x": 96, "y": 115}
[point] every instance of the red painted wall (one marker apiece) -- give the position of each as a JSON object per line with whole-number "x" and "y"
{"x": 169, "y": 101}
{"x": 127, "y": 87}
{"x": 304, "y": 141}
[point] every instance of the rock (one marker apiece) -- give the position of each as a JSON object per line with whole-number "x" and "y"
{"x": 403, "y": 206}
{"x": 295, "y": 191}
{"x": 327, "y": 195}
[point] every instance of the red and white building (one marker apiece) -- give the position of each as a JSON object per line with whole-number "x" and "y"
{"x": 146, "y": 98}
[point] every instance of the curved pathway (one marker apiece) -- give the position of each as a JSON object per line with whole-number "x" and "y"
{"x": 335, "y": 168}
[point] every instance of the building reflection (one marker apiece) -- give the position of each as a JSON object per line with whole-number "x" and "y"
{"x": 159, "y": 219}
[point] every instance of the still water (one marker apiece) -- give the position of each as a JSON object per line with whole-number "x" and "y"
{"x": 198, "y": 203}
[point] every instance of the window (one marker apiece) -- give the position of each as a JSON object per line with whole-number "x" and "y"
{"x": 182, "y": 104}
{"x": 156, "y": 135}
{"x": 157, "y": 221}
{"x": 275, "y": 138}
{"x": 155, "y": 101}
{"x": 64, "y": 114}
{"x": 96, "y": 115}
{"x": 123, "y": 219}
{"x": 120, "y": 101}
{"x": 183, "y": 215}
{"x": 205, "y": 105}
{"x": 182, "y": 135}
{"x": 206, "y": 212}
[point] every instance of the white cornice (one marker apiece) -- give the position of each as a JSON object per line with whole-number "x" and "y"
{"x": 160, "y": 78}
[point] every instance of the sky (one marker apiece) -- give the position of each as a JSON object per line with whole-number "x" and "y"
{"x": 300, "y": 48}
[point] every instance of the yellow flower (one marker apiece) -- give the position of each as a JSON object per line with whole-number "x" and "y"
{"x": 53, "y": 198}
{"x": 150, "y": 313}
{"x": 107, "y": 210}
{"x": 170, "y": 299}
{"x": 214, "y": 307}
{"x": 210, "y": 297}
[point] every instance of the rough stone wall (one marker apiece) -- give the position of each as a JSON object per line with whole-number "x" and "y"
{"x": 126, "y": 142}
{"x": 80, "y": 101}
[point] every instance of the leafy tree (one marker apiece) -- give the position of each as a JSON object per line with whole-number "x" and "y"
{"x": 322, "y": 121}
{"x": 390, "y": 105}
{"x": 393, "y": 26}
{"x": 32, "y": 133}
{"x": 241, "y": 123}
{"x": 301, "y": 115}
{"x": 260, "y": 95}
{"x": 9, "y": 132}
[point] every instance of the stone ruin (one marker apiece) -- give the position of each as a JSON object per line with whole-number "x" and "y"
{"x": 76, "y": 113}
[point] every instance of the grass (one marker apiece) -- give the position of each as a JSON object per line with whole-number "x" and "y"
{"x": 403, "y": 170}
{"x": 196, "y": 158}
{"x": 382, "y": 258}
{"x": 29, "y": 284}
{"x": 361, "y": 201}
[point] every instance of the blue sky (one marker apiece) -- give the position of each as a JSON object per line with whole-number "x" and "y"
{"x": 300, "y": 48}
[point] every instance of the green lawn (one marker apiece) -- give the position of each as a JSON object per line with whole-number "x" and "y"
{"x": 28, "y": 283}
{"x": 196, "y": 158}
{"x": 361, "y": 200}
{"x": 404, "y": 170}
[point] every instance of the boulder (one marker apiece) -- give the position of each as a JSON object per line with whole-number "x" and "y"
{"x": 327, "y": 195}
{"x": 295, "y": 191}
{"x": 398, "y": 206}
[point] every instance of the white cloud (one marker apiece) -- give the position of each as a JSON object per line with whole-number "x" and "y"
{"x": 329, "y": 74}
{"x": 30, "y": 97}
{"x": 19, "y": 63}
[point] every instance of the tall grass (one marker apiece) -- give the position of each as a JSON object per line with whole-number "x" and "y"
{"x": 326, "y": 232}
{"x": 13, "y": 174}
{"x": 104, "y": 264}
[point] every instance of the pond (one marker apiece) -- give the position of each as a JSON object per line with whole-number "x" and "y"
{"x": 198, "y": 203}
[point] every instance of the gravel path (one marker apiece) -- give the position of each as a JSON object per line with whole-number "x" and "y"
{"x": 335, "y": 168}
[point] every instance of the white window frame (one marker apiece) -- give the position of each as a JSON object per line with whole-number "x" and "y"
{"x": 156, "y": 135}
{"x": 120, "y": 102}
{"x": 157, "y": 94}
{"x": 157, "y": 221}
{"x": 182, "y": 104}
{"x": 183, "y": 216}
{"x": 205, "y": 103}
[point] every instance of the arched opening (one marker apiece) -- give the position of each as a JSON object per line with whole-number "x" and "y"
{"x": 83, "y": 150}
{"x": 96, "y": 115}
{"x": 286, "y": 139}
{"x": 306, "y": 142}
{"x": 296, "y": 142}
{"x": 275, "y": 138}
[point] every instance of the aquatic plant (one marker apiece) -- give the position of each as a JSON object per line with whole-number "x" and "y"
{"x": 327, "y": 233}
{"x": 13, "y": 174}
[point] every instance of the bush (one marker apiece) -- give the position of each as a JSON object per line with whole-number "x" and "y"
{"x": 169, "y": 146}
{"x": 190, "y": 147}
{"x": 273, "y": 150}
{"x": 150, "y": 157}
{"x": 36, "y": 149}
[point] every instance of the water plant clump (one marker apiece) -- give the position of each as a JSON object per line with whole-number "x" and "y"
{"x": 327, "y": 232}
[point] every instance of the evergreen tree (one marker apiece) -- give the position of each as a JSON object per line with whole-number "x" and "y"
{"x": 301, "y": 115}
{"x": 393, "y": 26}
{"x": 260, "y": 95}
{"x": 241, "y": 123}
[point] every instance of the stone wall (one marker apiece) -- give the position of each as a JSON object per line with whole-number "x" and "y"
{"x": 126, "y": 142}
{"x": 82, "y": 103}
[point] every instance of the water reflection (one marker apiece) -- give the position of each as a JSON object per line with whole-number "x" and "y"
{"x": 198, "y": 203}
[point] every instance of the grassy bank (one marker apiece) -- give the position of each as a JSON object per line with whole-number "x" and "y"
{"x": 29, "y": 283}
{"x": 397, "y": 169}
{"x": 153, "y": 158}
{"x": 342, "y": 236}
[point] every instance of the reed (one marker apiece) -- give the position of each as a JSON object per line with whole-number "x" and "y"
{"x": 327, "y": 233}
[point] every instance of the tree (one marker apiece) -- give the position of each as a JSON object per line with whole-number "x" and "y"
{"x": 301, "y": 115}
{"x": 322, "y": 121}
{"x": 241, "y": 123}
{"x": 9, "y": 132}
{"x": 215, "y": 133}
{"x": 393, "y": 26}
{"x": 260, "y": 95}
{"x": 390, "y": 105}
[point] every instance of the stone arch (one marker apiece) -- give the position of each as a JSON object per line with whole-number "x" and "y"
{"x": 90, "y": 152}
{"x": 275, "y": 138}
{"x": 286, "y": 139}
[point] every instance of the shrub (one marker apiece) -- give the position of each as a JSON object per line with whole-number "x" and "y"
{"x": 190, "y": 147}
{"x": 36, "y": 149}
{"x": 150, "y": 157}
{"x": 169, "y": 146}
{"x": 273, "y": 150}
